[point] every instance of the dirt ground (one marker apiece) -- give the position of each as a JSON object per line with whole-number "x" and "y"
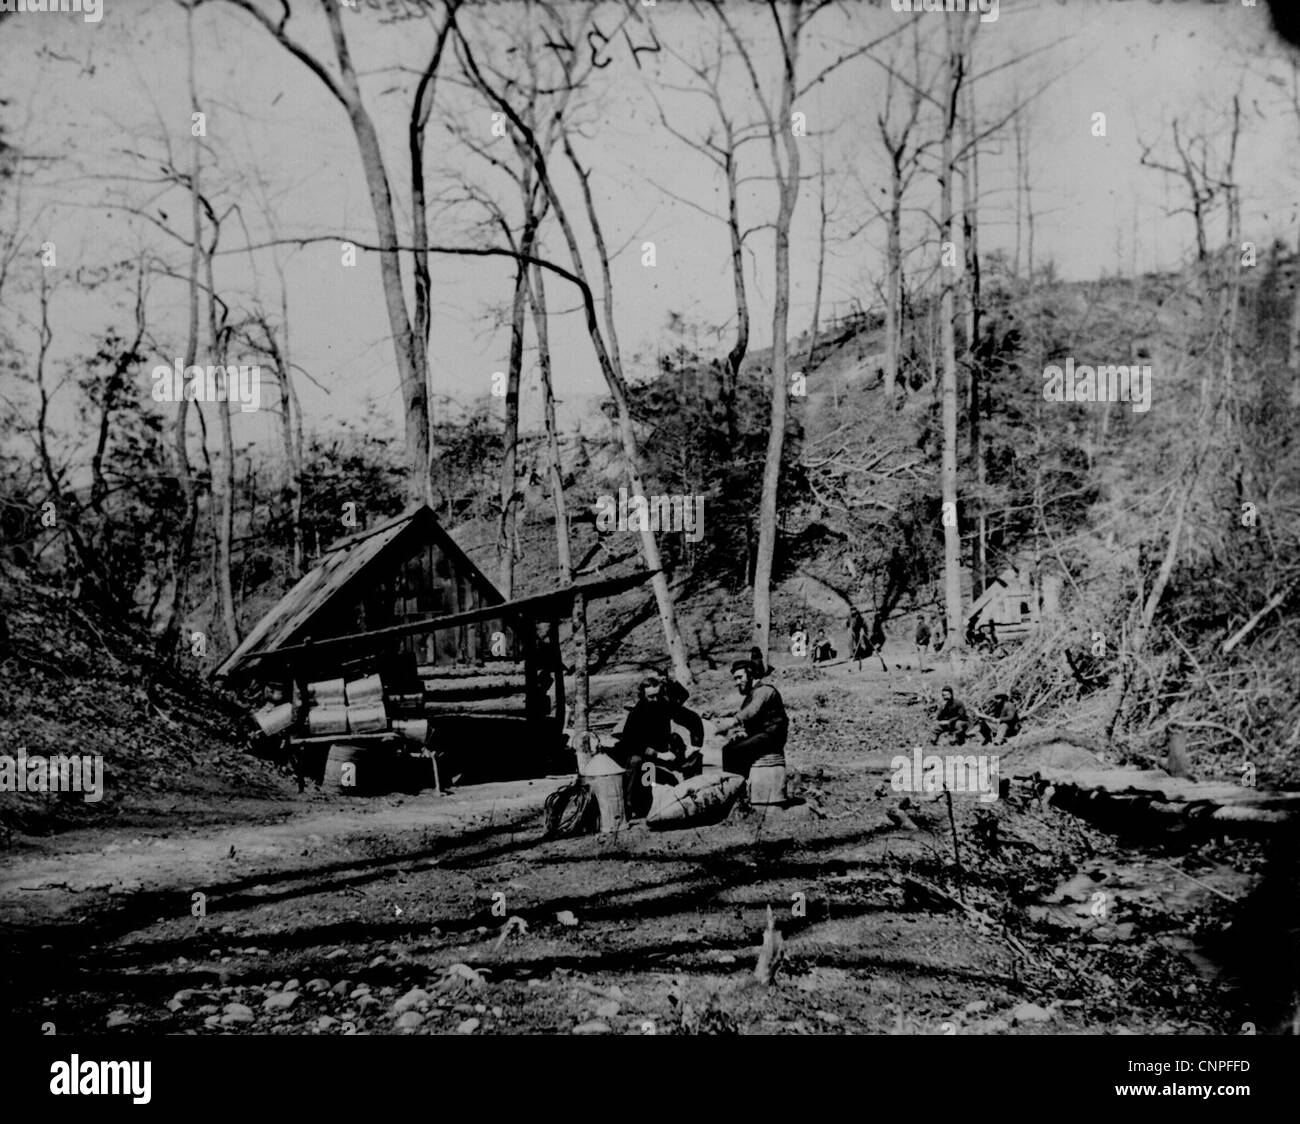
{"x": 448, "y": 914}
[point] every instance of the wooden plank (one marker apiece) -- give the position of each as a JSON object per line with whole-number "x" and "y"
{"x": 504, "y": 706}
{"x": 495, "y": 668}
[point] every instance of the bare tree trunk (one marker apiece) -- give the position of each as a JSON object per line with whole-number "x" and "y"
{"x": 563, "y": 547}
{"x": 170, "y": 636}
{"x": 421, "y": 108}
{"x": 736, "y": 356}
{"x": 970, "y": 246}
{"x": 951, "y": 531}
{"x": 894, "y": 282}
{"x": 821, "y": 258}
{"x": 225, "y": 518}
{"x": 788, "y": 189}
{"x": 510, "y": 446}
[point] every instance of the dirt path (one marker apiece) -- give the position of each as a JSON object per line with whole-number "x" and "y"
{"x": 431, "y": 914}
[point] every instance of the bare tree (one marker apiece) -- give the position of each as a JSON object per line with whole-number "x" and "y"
{"x": 605, "y": 342}
{"x": 170, "y": 635}
{"x": 786, "y": 173}
{"x": 411, "y": 353}
{"x": 958, "y": 44}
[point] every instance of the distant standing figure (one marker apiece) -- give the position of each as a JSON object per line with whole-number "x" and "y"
{"x": 922, "y": 640}
{"x": 859, "y": 645}
{"x": 878, "y": 641}
{"x": 822, "y": 650}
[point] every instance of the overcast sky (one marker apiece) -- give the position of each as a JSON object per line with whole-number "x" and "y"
{"x": 81, "y": 96}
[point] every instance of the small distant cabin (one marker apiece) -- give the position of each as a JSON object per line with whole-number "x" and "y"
{"x": 1016, "y": 601}
{"x": 396, "y": 639}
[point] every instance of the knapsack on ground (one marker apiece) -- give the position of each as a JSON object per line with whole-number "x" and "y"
{"x": 571, "y": 810}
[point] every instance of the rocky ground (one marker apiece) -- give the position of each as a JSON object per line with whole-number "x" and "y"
{"x": 449, "y": 914}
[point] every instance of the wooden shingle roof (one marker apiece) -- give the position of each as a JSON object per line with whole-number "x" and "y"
{"x": 340, "y": 572}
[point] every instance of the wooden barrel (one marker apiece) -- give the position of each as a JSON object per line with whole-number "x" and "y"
{"x": 767, "y": 780}
{"x": 366, "y": 691}
{"x": 367, "y": 718}
{"x": 324, "y": 720}
{"x": 326, "y": 692}
{"x": 275, "y": 719}
{"x": 354, "y": 770}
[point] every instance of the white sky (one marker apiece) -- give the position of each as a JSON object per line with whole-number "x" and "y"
{"x": 82, "y": 93}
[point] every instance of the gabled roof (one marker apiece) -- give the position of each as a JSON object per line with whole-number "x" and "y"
{"x": 997, "y": 586}
{"x": 339, "y": 573}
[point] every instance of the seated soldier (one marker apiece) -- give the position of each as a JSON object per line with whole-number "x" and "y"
{"x": 760, "y": 724}
{"x": 1002, "y": 722}
{"x": 648, "y": 739}
{"x": 952, "y": 719}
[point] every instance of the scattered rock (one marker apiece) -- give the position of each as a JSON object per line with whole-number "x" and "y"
{"x": 411, "y": 1000}
{"x": 463, "y": 974}
{"x": 410, "y": 1020}
{"x": 318, "y": 984}
{"x": 280, "y": 1001}
{"x": 469, "y": 1026}
{"x": 367, "y": 1001}
{"x": 1030, "y": 1013}
{"x": 174, "y": 1005}
{"x": 292, "y": 985}
{"x": 336, "y": 954}
{"x": 359, "y": 991}
{"x": 976, "y": 1007}
{"x": 212, "y": 1020}
{"x": 608, "y": 1010}
{"x": 274, "y": 985}
{"x": 828, "y": 1017}
{"x": 534, "y": 983}
{"x": 184, "y": 995}
{"x": 378, "y": 961}
{"x": 118, "y": 1018}
{"x": 566, "y": 918}
{"x": 343, "y": 987}
{"x": 325, "y": 1022}
{"x": 726, "y": 958}
{"x": 208, "y": 1009}
{"x": 593, "y": 1027}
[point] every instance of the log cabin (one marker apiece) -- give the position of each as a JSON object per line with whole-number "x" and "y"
{"x": 396, "y": 641}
